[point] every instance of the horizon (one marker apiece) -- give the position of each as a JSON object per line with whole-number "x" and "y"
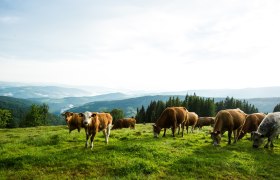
{"x": 154, "y": 46}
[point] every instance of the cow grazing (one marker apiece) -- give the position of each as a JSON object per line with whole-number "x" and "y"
{"x": 230, "y": 120}
{"x": 171, "y": 117}
{"x": 73, "y": 120}
{"x": 95, "y": 122}
{"x": 125, "y": 123}
{"x": 270, "y": 128}
{"x": 205, "y": 121}
{"x": 251, "y": 124}
{"x": 192, "y": 120}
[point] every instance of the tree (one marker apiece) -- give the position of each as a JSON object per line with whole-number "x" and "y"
{"x": 5, "y": 117}
{"x": 117, "y": 114}
{"x": 36, "y": 116}
{"x": 141, "y": 115}
{"x": 277, "y": 108}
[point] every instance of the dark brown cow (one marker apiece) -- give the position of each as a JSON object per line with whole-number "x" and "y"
{"x": 171, "y": 117}
{"x": 73, "y": 120}
{"x": 205, "y": 121}
{"x": 95, "y": 122}
{"x": 192, "y": 120}
{"x": 125, "y": 123}
{"x": 252, "y": 123}
{"x": 230, "y": 120}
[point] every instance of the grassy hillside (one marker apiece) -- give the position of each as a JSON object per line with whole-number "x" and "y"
{"x": 52, "y": 153}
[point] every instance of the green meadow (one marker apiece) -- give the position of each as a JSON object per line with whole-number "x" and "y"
{"x": 50, "y": 152}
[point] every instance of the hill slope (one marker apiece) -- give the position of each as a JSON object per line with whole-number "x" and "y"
{"x": 59, "y": 105}
{"x": 18, "y": 107}
{"x": 129, "y": 106}
{"x": 26, "y": 92}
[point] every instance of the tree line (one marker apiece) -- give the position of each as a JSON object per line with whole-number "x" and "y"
{"x": 36, "y": 115}
{"x": 200, "y": 105}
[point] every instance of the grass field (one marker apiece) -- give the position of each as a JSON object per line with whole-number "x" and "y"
{"x": 52, "y": 153}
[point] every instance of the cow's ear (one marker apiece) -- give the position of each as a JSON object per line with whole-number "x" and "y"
{"x": 71, "y": 113}
{"x": 81, "y": 114}
{"x": 93, "y": 115}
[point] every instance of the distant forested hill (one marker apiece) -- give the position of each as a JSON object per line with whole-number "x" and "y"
{"x": 18, "y": 107}
{"x": 57, "y": 106}
{"x": 129, "y": 106}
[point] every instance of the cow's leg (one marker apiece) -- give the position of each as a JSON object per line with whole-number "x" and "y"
{"x": 183, "y": 127}
{"x": 192, "y": 128}
{"x": 87, "y": 137}
{"x": 179, "y": 128}
{"x": 164, "y": 132}
{"x": 235, "y": 136}
{"x": 91, "y": 140}
{"x": 173, "y": 130}
{"x": 105, "y": 135}
{"x": 229, "y": 136}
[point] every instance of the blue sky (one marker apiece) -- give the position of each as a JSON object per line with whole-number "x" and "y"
{"x": 141, "y": 45}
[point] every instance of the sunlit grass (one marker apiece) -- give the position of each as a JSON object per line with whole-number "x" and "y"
{"x": 51, "y": 152}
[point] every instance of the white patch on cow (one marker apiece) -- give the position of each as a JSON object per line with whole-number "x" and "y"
{"x": 87, "y": 118}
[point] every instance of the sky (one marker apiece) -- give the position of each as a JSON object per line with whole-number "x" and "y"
{"x": 151, "y": 45}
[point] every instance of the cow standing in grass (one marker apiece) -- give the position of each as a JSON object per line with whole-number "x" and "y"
{"x": 230, "y": 120}
{"x": 125, "y": 123}
{"x": 205, "y": 121}
{"x": 192, "y": 120}
{"x": 73, "y": 120}
{"x": 171, "y": 117}
{"x": 95, "y": 122}
{"x": 270, "y": 128}
{"x": 251, "y": 124}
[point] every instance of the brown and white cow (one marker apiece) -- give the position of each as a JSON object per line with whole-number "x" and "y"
{"x": 125, "y": 123}
{"x": 171, "y": 117}
{"x": 192, "y": 120}
{"x": 95, "y": 122}
{"x": 73, "y": 120}
{"x": 230, "y": 120}
{"x": 252, "y": 123}
{"x": 205, "y": 121}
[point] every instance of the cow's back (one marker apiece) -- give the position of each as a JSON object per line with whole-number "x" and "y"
{"x": 270, "y": 124}
{"x": 166, "y": 118}
{"x": 238, "y": 117}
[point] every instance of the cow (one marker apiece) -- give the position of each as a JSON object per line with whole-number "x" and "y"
{"x": 125, "y": 123}
{"x": 251, "y": 124}
{"x": 73, "y": 120}
{"x": 270, "y": 128}
{"x": 230, "y": 120}
{"x": 95, "y": 122}
{"x": 192, "y": 120}
{"x": 171, "y": 117}
{"x": 205, "y": 121}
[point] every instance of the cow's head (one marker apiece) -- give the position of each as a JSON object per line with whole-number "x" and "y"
{"x": 86, "y": 118}
{"x": 156, "y": 130}
{"x": 67, "y": 116}
{"x": 216, "y": 136}
{"x": 258, "y": 139}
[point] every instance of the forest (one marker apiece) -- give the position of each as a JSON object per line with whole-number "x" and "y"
{"x": 22, "y": 113}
